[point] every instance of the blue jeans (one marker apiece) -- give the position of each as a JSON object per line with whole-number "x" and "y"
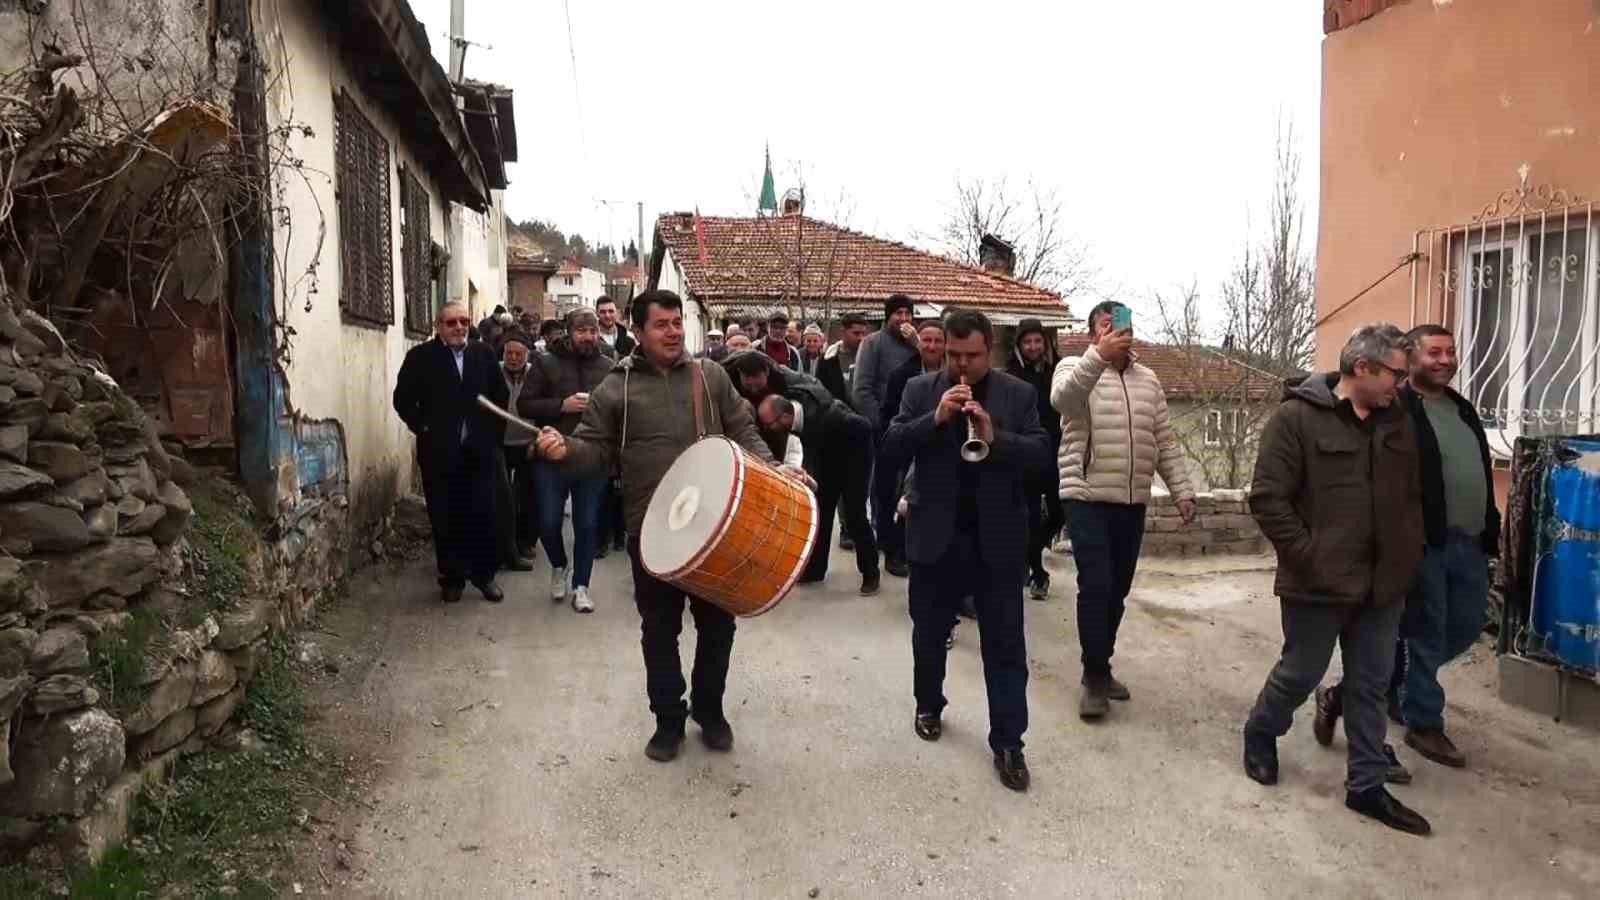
{"x": 1450, "y": 597}
{"x": 552, "y": 487}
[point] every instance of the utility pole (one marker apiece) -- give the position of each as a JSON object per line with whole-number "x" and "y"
{"x": 642, "y": 270}
{"x": 458, "y": 39}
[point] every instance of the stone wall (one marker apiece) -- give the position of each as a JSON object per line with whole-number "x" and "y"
{"x": 97, "y": 532}
{"x": 1223, "y": 526}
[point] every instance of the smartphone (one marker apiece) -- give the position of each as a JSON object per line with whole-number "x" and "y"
{"x": 1121, "y": 318}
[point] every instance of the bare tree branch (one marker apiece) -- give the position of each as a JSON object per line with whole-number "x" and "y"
{"x": 1046, "y": 256}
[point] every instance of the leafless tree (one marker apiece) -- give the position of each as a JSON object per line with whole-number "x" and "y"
{"x": 812, "y": 253}
{"x": 1266, "y": 334}
{"x": 1046, "y": 254}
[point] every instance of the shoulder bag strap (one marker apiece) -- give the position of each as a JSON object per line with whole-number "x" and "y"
{"x": 697, "y": 386}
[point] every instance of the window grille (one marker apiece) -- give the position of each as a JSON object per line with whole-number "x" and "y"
{"x": 366, "y": 285}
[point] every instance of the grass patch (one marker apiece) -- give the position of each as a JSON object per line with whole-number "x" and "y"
{"x": 18, "y": 883}
{"x": 222, "y": 538}
{"x": 119, "y": 655}
{"x": 227, "y": 822}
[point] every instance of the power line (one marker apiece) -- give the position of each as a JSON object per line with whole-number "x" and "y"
{"x": 577, "y": 94}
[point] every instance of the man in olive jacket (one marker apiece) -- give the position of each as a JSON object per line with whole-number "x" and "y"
{"x": 643, "y": 416}
{"x": 1338, "y": 492}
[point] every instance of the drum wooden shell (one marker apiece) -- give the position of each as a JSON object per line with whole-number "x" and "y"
{"x": 728, "y": 529}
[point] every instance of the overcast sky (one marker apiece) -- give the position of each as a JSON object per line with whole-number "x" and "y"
{"x": 1155, "y": 120}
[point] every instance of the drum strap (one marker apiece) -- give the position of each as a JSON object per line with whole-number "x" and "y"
{"x": 697, "y": 387}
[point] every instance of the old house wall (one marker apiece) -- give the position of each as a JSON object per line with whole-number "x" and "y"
{"x": 1428, "y": 111}
{"x": 338, "y": 371}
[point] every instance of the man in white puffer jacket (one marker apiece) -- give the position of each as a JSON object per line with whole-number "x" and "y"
{"x": 1115, "y": 436}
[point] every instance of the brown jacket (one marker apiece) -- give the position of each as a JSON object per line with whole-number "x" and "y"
{"x": 1340, "y": 498}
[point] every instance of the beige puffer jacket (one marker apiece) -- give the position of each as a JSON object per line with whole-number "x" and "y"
{"x": 1115, "y": 433}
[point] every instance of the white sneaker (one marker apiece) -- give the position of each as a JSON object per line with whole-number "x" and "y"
{"x": 580, "y": 600}
{"x": 558, "y": 585}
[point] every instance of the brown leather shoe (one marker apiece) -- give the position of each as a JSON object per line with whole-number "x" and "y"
{"x": 1328, "y": 709}
{"x": 1433, "y": 744}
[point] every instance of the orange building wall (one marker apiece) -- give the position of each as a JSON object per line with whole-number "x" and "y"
{"x": 1428, "y": 110}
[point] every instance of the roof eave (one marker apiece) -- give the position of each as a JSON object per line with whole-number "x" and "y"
{"x": 387, "y": 35}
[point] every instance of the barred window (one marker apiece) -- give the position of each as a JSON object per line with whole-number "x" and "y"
{"x": 416, "y": 253}
{"x": 366, "y": 284}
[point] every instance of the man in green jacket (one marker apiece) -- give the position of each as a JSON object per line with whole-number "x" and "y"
{"x": 642, "y": 415}
{"x": 1338, "y": 492}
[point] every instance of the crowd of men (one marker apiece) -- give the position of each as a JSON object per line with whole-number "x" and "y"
{"x": 1372, "y": 483}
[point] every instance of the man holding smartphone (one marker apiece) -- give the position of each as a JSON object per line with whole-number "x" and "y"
{"x": 1116, "y": 435}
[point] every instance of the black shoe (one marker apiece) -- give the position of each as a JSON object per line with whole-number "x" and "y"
{"x": 601, "y": 552}
{"x": 1013, "y": 769}
{"x": 490, "y": 591}
{"x": 716, "y": 733}
{"x": 1379, "y": 804}
{"x": 845, "y": 543}
{"x": 520, "y": 564}
{"x": 450, "y": 594}
{"x": 809, "y": 578}
{"x": 1039, "y": 588}
{"x": 869, "y": 584}
{"x": 1261, "y": 758}
{"x": 1327, "y": 717}
{"x": 666, "y": 742}
{"x": 618, "y": 545}
{"x": 1397, "y": 774}
{"x": 895, "y": 566}
{"x": 928, "y": 726}
{"x": 1116, "y": 690}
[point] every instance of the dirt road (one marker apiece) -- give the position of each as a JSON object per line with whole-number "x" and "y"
{"x": 509, "y": 740}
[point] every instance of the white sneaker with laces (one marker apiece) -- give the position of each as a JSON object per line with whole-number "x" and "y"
{"x": 558, "y": 585}
{"x": 580, "y": 600}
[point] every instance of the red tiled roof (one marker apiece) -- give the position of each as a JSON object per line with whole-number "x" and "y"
{"x": 1338, "y": 15}
{"x": 1190, "y": 373}
{"x": 748, "y": 261}
{"x": 569, "y": 266}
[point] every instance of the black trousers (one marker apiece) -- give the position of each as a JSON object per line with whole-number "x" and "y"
{"x": 936, "y": 591}
{"x": 613, "y": 526}
{"x": 843, "y": 469}
{"x": 460, "y": 493}
{"x": 885, "y": 497}
{"x": 1045, "y": 520}
{"x": 660, "y": 621}
{"x": 524, "y": 506}
{"x": 1105, "y": 547}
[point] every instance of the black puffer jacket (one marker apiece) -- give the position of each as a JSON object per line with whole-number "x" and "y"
{"x": 823, "y": 414}
{"x": 1038, "y": 376}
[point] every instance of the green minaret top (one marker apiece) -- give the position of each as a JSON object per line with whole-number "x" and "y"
{"x": 769, "y": 195}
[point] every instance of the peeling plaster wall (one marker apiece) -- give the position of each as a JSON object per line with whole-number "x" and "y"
{"x": 1428, "y": 110}
{"x": 341, "y": 373}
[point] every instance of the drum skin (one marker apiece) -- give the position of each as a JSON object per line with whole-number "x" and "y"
{"x": 759, "y": 532}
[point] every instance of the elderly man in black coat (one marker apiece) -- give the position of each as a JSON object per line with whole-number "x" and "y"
{"x": 967, "y": 531}
{"x": 458, "y": 448}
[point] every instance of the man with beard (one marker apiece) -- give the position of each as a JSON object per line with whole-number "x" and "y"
{"x": 1445, "y": 612}
{"x": 1338, "y": 493}
{"x": 1033, "y": 361}
{"x": 929, "y": 358}
{"x": 458, "y": 448}
{"x": 838, "y": 366}
{"x": 776, "y": 344}
{"x": 837, "y": 446}
{"x": 654, "y": 391}
{"x": 557, "y": 394}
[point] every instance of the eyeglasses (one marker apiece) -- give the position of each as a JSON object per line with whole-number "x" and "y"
{"x": 1399, "y": 374}
{"x": 448, "y": 323}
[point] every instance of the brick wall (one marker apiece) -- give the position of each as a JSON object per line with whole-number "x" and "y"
{"x": 1223, "y": 526}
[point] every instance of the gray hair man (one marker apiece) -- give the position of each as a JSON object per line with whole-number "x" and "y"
{"x": 1338, "y": 493}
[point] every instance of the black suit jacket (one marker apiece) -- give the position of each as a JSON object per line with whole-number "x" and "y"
{"x": 831, "y": 373}
{"x": 1021, "y": 450}
{"x": 434, "y": 400}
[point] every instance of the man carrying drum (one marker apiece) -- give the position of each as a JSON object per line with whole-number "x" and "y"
{"x": 644, "y": 414}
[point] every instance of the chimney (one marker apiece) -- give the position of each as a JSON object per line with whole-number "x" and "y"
{"x": 794, "y": 202}
{"x": 997, "y": 256}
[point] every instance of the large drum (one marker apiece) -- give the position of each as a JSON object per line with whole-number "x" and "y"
{"x": 726, "y": 528}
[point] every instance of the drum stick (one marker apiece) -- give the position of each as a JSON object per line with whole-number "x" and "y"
{"x": 514, "y": 419}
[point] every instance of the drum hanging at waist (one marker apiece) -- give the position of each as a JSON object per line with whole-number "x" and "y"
{"x": 725, "y": 527}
